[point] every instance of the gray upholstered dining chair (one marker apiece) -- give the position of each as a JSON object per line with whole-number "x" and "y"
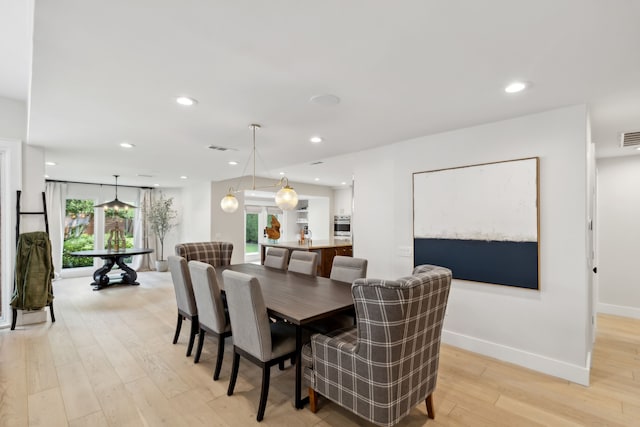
{"x": 211, "y": 313}
{"x": 388, "y": 363}
{"x": 254, "y": 336}
{"x": 277, "y": 258}
{"x": 185, "y": 299}
{"x": 303, "y": 262}
{"x": 347, "y": 269}
{"x": 344, "y": 269}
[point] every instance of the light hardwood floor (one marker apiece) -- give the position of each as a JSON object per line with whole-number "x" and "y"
{"x": 109, "y": 361}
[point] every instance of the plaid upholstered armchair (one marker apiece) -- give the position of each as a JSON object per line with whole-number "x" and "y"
{"x": 214, "y": 253}
{"x": 388, "y": 363}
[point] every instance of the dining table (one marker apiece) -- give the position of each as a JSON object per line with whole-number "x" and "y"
{"x": 299, "y": 299}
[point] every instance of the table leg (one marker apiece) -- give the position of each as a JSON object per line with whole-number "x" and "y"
{"x": 100, "y": 278}
{"x": 129, "y": 276}
{"x": 298, "y": 401}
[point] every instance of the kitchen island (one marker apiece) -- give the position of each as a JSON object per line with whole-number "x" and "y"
{"x": 326, "y": 250}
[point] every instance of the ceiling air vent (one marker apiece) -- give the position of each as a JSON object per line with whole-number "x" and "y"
{"x": 630, "y": 139}
{"x": 218, "y": 148}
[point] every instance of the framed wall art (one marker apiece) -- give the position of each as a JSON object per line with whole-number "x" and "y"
{"x": 480, "y": 221}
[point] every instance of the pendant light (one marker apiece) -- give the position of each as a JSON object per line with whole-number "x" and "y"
{"x": 286, "y": 197}
{"x": 115, "y": 204}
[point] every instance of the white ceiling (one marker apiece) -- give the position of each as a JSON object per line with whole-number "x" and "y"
{"x": 106, "y": 72}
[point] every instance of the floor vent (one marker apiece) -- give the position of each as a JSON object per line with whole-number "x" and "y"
{"x": 630, "y": 139}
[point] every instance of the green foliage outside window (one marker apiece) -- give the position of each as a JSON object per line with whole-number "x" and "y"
{"x": 83, "y": 243}
{"x": 252, "y": 228}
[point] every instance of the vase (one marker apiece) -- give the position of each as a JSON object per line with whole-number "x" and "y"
{"x": 162, "y": 265}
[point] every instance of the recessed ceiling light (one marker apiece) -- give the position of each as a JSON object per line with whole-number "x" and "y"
{"x": 183, "y": 177}
{"x": 50, "y": 163}
{"x": 343, "y": 183}
{"x": 46, "y": 176}
{"x": 233, "y": 163}
{"x": 184, "y": 100}
{"x": 126, "y": 145}
{"x": 638, "y": 148}
{"x": 515, "y": 87}
{"x": 281, "y": 173}
{"x": 316, "y": 179}
{"x": 315, "y": 139}
{"x": 156, "y": 185}
{"x": 326, "y": 99}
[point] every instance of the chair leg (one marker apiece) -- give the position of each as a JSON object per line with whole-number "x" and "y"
{"x": 216, "y": 373}
{"x": 281, "y": 365}
{"x": 264, "y": 393}
{"x": 429, "y": 402}
{"x": 178, "y": 327}
{"x": 196, "y": 359}
{"x": 313, "y": 400}
{"x": 234, "y": 373}
{"x": 14, "y": 318}
{"x": 53, "y": 316}
{"x": 195, "y": 326}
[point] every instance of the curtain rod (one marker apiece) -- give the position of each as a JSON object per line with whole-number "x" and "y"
{"x": 93, "y": 183}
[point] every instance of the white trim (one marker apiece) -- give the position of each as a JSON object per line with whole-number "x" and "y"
{"x": 619, "y": 310}
{"x": 10, "y": 182}
{"x": 557, "y": 368}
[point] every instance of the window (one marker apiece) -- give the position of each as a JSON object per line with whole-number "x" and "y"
{"x": 78, "y": 232}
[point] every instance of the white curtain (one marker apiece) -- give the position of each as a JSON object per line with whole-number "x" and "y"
{"x": 141, "y": 238}
{"x": 55, "y": 196}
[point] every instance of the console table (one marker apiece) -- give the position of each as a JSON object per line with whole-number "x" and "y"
{"x": 111, "y": 258}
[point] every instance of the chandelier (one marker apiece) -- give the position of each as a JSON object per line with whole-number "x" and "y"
{"x": 115, "y": 204}
{"x": 286, "y": 197}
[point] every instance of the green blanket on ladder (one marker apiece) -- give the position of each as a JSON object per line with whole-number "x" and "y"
{"x": 34, "y": 272}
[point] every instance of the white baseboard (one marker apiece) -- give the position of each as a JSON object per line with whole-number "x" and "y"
{"x": 557, "y": 368}
{"x": 29, "y": 317}
{"x": 619, "y": 310}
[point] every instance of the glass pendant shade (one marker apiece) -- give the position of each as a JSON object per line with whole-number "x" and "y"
{"x": 229, "y": 203}
{"x": 286, "y": 198}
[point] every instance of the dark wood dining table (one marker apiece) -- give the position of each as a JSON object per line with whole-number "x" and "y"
{"x": 298, "y": 299}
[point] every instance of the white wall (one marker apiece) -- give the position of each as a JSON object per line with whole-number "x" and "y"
{"x": 320, "y": 220}
{"x": 32, "y": 188}
{"x": 13, "y": 119}
{"x": 618, "y": 230}
{"x": 195, "y": 222}
{"x": 544, "y": 330}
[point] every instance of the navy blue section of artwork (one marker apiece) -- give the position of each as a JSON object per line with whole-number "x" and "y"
{"x": 490, "y": 261}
